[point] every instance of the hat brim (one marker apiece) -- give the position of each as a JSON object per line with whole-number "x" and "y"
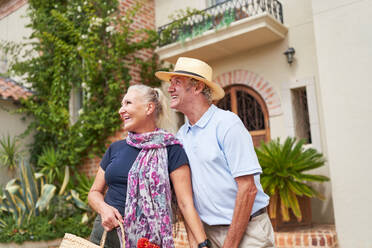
{"x": 217, "y": 91}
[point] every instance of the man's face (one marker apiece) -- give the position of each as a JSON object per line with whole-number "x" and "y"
{"x": 180, "y": 90}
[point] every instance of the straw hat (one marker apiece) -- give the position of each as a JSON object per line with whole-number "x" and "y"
{"x": 196, "y": 69}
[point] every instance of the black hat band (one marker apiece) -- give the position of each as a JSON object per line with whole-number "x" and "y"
{"x": 190, "y": 73}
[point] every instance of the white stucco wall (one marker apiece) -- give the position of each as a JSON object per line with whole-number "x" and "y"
{"x": 12, "y": 28}
{"x": 13, "y": 125}
{"x": 343, "y": 41}
{"x": 269, "y": 62}
{"x": 166, "y": 8}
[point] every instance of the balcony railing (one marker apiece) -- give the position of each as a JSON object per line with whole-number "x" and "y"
{"x": 217, "y": 16}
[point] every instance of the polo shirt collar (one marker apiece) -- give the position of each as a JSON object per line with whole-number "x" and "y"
{"x": 203, "y": 121}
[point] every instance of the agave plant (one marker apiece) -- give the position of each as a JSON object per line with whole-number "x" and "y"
{"x": 284, "y": 178}
{"x": 30, "y": 195}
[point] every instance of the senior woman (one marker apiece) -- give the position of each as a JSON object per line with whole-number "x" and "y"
{"x": 140, "y": 173}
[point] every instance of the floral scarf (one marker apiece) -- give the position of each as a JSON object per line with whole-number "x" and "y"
{"x": 148, "y": 204}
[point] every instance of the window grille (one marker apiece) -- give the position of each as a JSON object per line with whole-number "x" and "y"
{"x": 248, "y": 109}
{"x": 225, "y": 103}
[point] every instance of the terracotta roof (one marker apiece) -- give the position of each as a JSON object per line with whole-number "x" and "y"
{"x": 7, "y": 7}
{"x": 10, "y": 90}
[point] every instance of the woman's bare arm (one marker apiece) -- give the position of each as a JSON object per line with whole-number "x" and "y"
{"x": 109, "y": 214}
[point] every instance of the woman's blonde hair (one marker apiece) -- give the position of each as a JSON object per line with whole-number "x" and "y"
{"x": 162, "y": 109}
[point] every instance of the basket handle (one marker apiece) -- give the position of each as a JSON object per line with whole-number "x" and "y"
{"x": 104, "y": 235}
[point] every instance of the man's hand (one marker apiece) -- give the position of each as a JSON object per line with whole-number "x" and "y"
{"x": 243, "y": 207}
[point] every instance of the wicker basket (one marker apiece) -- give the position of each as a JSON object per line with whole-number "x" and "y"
{"x": 73, "y": 241}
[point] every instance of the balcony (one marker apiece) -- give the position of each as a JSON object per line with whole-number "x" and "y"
{"x": 222, "y": 30}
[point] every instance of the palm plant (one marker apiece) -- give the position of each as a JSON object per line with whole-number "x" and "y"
{"x": 48, "y": 163}
{"x": 9, "y": 152}
{"x": 83, "y": 185}
{"x": 284, "y": 178}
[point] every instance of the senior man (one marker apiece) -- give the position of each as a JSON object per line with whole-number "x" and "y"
{"x": 225, "y": 171}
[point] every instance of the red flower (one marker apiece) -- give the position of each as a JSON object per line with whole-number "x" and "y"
{"x": 145, "y": 243}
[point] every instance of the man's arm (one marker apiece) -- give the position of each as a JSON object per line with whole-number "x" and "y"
{"x": 243, "y": 163}
{"x": 243, "y": 207}
{"x": 181, "y": 180}
{"x": 190, "y": 237}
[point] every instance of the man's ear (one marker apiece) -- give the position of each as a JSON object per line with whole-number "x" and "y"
{"x": 199, "y": 88}
{"x": 150, "y": 108}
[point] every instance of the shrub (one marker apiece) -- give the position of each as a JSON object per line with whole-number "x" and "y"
{"x": 40, "y": 228}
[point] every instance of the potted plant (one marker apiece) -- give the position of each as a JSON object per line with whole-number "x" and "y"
{"x": 284, "y": 179}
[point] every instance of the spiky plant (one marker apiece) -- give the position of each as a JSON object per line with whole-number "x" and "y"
{"x": 83, "y": 185}
{"x": 48, "y": 165}
{"x": 9, "y": 152}
{"x": 284, "y": 178}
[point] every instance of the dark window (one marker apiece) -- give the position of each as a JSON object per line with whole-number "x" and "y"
{"x": 301, "y": 114}
{"x": 249, "y": 110}
{"x": 225, "y": 103}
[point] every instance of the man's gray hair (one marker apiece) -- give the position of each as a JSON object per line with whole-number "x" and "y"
{"x": 207, "y": 92}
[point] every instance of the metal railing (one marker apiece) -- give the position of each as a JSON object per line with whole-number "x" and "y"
{"x": 216, "y": 16}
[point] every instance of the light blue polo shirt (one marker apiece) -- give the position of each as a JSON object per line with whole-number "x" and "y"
{"x": 220, "y": 148}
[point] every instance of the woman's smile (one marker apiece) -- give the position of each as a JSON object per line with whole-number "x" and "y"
{"x": 134, "y": 113}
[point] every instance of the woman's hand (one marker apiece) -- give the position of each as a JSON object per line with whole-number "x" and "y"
{"x": 110, "y": 217}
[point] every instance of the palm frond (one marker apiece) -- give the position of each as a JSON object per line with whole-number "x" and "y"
{"x": 273, "y": 205}
{"x": 283, "y": 165}
{"x": 294, "y": 205}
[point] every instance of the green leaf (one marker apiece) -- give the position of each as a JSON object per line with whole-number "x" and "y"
{"x": 273, "y": 206}
{"x": 293, "y": 203}
{"x": 30, "y": 191}
{"x": 79, "y": 203}
{"x": 47, "y": 194}
{"x": 295, "y": 187}
{"x": 65, "y": 181}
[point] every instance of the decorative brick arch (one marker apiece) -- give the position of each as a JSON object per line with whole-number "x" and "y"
{"x": 256, "y": 82}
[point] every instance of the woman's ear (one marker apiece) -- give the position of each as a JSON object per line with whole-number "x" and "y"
{"x": 150, "y": 108}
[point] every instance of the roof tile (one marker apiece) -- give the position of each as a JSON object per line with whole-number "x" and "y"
{"x": 9, "y": 89}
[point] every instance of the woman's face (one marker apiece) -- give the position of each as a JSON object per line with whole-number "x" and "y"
{"x": 134, "y": 112}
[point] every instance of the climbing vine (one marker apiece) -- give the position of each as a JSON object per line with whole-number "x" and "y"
{"x": 86, "y": 45}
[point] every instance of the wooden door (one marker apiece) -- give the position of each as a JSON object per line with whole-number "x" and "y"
{"x": 251, "y": 108}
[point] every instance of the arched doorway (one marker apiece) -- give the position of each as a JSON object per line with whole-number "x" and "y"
{"x": 251, "y": 108}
